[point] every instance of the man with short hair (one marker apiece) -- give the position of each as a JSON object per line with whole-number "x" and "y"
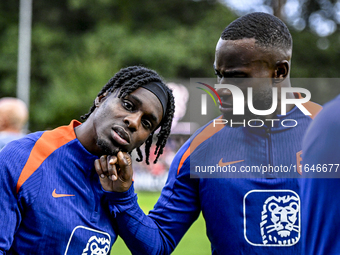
{"x": 51, "y": 197}
{"x": 243, "y": 216}
{"x": 13, "y": 118}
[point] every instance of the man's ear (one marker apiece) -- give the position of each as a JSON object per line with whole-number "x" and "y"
{"x": 100, "y": 99}
{"x": 281, "y": 70}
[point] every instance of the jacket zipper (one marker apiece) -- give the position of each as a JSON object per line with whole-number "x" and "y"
{"x": 270, "y": 156}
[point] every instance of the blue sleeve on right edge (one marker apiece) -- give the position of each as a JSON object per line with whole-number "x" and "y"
{"x": 321, "y": 143}
{"x": 319, "y": 196}
{"x": 10, "y": 215}
{"x": 177, "y": 208}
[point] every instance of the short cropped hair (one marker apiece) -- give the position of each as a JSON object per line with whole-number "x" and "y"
{"x": 266, "y": 29}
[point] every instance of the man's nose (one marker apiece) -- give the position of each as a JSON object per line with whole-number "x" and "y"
{"x": 133, "y": 120}
{"x": 223, "y": 92}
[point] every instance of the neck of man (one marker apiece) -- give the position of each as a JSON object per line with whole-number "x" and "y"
{"x": 86, "y": 136}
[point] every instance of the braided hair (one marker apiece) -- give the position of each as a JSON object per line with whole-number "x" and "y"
{"x": 266, "y": 29}
{"x": 128, "y": 80}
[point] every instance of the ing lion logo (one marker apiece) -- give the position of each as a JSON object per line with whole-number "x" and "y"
{"x": 97, "y": 246}
{"x": 280, "y": 218}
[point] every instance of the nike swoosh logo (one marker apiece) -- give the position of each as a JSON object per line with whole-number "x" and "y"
{"x": 221, "y": 164}
{"x": 54, "y": 194}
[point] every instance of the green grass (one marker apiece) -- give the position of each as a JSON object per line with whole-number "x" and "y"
{"x": 194, "y": 242}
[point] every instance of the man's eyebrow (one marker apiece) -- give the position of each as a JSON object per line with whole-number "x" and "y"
{"x": 138, "y": 101}
{"x": 233, "y": 73}
{"x": 135, "y": 99}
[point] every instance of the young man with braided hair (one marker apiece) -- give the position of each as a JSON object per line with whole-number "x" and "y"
{"x": 51, "y": 196}
{"x": 243, "y": 215}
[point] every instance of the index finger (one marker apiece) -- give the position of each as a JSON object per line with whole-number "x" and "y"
{"x": 98, "y": 168}
{"x": 125, "y": 165}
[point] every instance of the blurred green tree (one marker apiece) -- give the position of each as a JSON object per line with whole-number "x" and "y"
{"x": 78, "y": 45}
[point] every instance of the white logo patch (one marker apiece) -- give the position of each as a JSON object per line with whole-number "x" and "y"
{"x": 97, "y": 246}
{"x": 88, "y": 241}
{"x": 271, "y": 217}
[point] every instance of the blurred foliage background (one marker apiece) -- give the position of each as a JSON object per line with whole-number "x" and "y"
{"x": 78, "y": 45}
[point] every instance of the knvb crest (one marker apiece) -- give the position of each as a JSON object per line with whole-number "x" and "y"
{"x": 88, "y": 241}
{"x": 97, "y": 246}
{"x": 279, "y": 218}
{"x": 271, "y": 217}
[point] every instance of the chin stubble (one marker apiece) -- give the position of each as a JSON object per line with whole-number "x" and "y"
{"x": 105, "y": 147}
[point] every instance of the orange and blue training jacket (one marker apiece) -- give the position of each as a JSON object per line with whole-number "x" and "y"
{"x": 51, "y": 197}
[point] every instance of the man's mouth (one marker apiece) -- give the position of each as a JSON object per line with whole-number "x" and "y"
{"x": 120, "y": 136}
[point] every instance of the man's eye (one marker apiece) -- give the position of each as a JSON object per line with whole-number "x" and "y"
{"x": 239, "y": 76}
{"x": 128, "y": 105}
{"x": 146, "y": 124}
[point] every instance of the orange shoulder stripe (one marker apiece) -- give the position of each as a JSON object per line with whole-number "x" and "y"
{"x": 313, "y": 108}
{"x": 45, "y": 146}
{"x": 205, "y": 134}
